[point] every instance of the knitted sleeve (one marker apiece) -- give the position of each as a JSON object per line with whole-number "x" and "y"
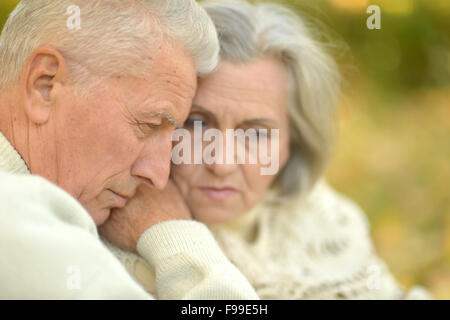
{"x": 188, "y": 263}
{"x": 50, "y": 250}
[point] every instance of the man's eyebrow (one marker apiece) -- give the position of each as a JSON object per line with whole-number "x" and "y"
{"x": 165, "y": 114}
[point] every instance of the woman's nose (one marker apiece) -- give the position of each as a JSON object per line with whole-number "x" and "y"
{"x": 224, "y": 161}
{"x": 222, "y": 169}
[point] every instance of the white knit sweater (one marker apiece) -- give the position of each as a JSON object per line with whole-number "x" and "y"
{"x": 50, "y": 249}
{"x": 315, "y": 247}
{"x": 318, "y": 247}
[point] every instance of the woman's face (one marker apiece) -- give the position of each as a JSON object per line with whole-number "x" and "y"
{"x": 237, "y": 96}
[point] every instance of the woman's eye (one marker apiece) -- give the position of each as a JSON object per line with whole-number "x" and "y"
{"x": 262, "y": 133}
{"x": 190, "y": 122}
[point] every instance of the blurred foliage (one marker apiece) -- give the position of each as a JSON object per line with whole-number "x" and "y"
{"x": 410, "y": 51}
{"x": 393, "y": 152}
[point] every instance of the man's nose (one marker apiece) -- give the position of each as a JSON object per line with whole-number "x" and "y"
{"x": 153, "y": 164}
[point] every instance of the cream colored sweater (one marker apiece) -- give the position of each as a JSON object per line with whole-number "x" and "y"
{"x": 50, "y": 249}
{"x": 318, "y": 247}
{"x": 315, "y": 247}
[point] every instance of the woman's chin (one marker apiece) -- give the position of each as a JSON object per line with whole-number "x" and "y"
{"x": 215, "y": 215}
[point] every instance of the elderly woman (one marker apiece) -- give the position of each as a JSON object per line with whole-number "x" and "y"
{"x": 290, "y": 234}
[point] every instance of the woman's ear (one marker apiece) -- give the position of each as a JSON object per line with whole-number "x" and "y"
{"x": 42, "y": 79}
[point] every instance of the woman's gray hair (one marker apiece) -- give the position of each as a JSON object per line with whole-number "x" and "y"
{"x": 116, "y": 37}
{"x": 250, "y": 31}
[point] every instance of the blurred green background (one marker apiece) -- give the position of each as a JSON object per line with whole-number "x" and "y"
{"x": 393, "y": 152}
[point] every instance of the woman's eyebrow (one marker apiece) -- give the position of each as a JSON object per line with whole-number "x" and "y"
{"x": 196, "y": 107}
{"x": 260, "y": 121}
{"x": 202, "y": 109}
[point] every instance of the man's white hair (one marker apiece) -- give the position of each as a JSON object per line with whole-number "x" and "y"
{"x": 249, "y": 31}
{"x": 116, "y": 36}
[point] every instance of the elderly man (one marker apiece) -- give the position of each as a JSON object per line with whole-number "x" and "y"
{"x": 89, "y": 111}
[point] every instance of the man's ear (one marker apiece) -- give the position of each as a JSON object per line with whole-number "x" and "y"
{"x": 44, "y": 74}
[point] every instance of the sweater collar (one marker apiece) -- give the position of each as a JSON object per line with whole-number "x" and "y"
{"x": 10, "y": 159}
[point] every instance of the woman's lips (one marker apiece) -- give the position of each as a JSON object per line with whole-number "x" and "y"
{"x": 218, "y": 194}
